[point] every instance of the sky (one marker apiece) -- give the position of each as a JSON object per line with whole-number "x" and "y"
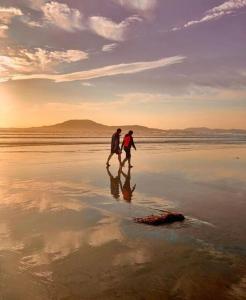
{"x": 159, "y": 63}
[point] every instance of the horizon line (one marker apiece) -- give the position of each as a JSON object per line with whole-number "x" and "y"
{"x": 126, "y": 125}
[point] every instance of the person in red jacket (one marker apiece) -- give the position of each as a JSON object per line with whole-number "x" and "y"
{"x": 115, "y": 146}
{"x": 126, "y": 188}
{"x": 127, "y": 144}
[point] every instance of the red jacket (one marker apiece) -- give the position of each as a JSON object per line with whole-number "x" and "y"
{"x": 128, "y": 142}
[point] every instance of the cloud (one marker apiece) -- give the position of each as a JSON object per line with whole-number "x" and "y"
{"x": 228, "y": 6}
{"x": 109, "y": 47}
{"x": 71, "y": 19}
{"x": 111, "y": 30}
{"x": 139, "y": 5}
{"x": 45, "y": 60}
{"x": 36, "y": 4}
{"x": 62, "y": 16}
{"x": 3, "y": 30}
{"x": 7, "y": 13}
{"x": 140, "y": 98}
{"x": 26, "y": 61}
{"x": 88, "y": 84}
{"x": 207, "y": 18}
{"x": 32, "y": 23}
{"x": 217, "y": 12}
{"x": 68, "y": 56}
{"x": 6, "y": 16}
{"x": 192, "y": 93}
{"x": 55, "y": 14}
{"x": 113, "y": 70}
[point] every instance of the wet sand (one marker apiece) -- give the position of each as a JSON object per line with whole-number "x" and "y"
{"x": 66, "y": 228}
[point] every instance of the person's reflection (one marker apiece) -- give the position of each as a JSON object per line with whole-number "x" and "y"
{"x": 115, "y": 184}
{"x": 126, "y": 189}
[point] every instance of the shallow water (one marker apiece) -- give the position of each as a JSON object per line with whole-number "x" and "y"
{"x": 15, "y": 139}
{"x": 67, "y": 230}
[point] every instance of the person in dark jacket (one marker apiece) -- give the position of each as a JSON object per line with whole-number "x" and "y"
{"x": 115, "y": 183}
{"x": 127, "y": 144}
{"x": 115, "y": 146}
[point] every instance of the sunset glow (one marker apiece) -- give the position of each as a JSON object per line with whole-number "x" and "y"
{"x": 123, "y": 62}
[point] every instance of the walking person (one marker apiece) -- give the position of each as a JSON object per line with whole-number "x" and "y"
{"x": 115, "y": 146}
{"x": 127, "y": 144}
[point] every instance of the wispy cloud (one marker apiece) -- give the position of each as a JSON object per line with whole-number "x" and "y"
{"x": 109, "y": 47}
{"x": 70, "y": 19}
{"x": 216, "y": 12}
{"x": 62, "y": 16}
{"x": 88, "y": 84}
{"x": 26, "y": 61}
{"x": 112, "y": 70}
{"x": 6, "y": 16}
{"x": 139, "y": 5}
{"x": 56, "y": 14}
{"x": 32, "y": 23}
{"x": 192, "y": 94}
{"x": 228, "y": 6}
{"x": 110, "y": 29}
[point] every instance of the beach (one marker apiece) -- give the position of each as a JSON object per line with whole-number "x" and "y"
{"x": 81, "y": 81}
{"x": 67, "y": 227}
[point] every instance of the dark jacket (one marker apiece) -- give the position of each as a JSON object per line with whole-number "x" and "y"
{"x": 115, "y": 142}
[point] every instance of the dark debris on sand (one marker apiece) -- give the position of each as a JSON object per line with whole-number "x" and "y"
{"x": 164, "y": 218}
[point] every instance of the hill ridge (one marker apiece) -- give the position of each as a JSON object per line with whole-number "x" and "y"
{"x": 89, "y": 127}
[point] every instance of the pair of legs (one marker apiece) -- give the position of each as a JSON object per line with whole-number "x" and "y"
{"x": 127, "y": 158}
{"x": 110, "y": 156}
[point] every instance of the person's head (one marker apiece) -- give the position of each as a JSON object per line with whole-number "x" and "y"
{"x": 130, "y": 132}
{"x": 118, "y": 130}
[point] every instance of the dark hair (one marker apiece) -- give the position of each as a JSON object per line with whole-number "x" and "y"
{"x": 119, "y": 130}
{"x": 130, "y": 132}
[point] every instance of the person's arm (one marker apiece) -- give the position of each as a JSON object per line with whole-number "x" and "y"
{"x": 122, "y": 144}
{"x": 112, "y": 141}
{"x": 133, "y": 144}
{"x": 133, "y": 189}
{"x": 121, "y": 186}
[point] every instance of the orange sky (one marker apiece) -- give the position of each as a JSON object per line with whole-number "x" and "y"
{"x": 18, "y": 113}
{"x": 123, "y": 62}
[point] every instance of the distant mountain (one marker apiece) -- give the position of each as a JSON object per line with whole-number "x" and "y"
{"x": 75, "y": 125}
{"x": 91, "y": 128}
{"x": 87, "y": 128}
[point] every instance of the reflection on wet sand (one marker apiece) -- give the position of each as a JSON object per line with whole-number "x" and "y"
{"x": 65, "y": 236}
{"x": 126, "y": 188}
{"x": 116, "y": 184}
